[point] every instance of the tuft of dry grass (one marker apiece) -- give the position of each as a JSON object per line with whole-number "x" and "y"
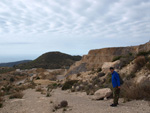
{"x": 16, "y": 95}
{"x": 139, "y": 91}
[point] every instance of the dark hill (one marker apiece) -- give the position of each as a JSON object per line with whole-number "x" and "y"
{"x": 51, "y": 60}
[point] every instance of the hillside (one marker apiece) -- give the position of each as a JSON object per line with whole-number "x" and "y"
{"x": 11, "y": 64}
{"x": 51, "y": 60}
{"x": 96, "y": 58}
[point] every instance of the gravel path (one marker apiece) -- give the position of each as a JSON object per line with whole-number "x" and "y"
{"x": 81, "y": 103}
{"x": 35, "y": 102}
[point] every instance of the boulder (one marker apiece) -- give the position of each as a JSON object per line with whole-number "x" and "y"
{"x": 102, "y": 93}
{"x": 32, "y": 77}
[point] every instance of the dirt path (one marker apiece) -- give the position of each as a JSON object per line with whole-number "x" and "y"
{"x": 34, "y": 102}
{"x": 81, "y": 103}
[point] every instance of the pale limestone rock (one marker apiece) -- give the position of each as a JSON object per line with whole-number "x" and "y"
{"x": 102, "y": 93}
{"x": 107, "y": 65}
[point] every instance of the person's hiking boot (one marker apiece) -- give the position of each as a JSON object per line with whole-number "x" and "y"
{"x": 113, "y": 105}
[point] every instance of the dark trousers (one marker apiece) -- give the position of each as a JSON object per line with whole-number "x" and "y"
{"x": 116, "y": 93}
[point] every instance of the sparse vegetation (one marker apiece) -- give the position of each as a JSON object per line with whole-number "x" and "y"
{"x": 148, "y": 65}
{"x": 99, "y": 69}
{"x": 16, "y": 95}
{"x": 131, "y": 90}
{"x": 139, "y": 62}
{"x": 143, "y": 53}
{"x": 6, "y": 70}
{"x": 39, "y": 89}
{"x": 69, "y": 84}
{"x": 101, "y": 74}
{"x": 63, "y": 103}
{"x": 116, "y": 58}
{"x": 130, "y": 76}
{"x": 48, "y": 94}
{"x": 108, "y": 78}
{"x": 78, "y": 74}
{"x": 12, "y": 79}
{"x": 1, "y": 102}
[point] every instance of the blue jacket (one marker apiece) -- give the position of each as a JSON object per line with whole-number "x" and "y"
{"x": 115, "y": 79}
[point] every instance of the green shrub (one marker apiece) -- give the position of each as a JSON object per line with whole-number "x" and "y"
{"x": 54, "y": 85}
{"x": 69, "y": 84}
{"x": 116, "y": 58}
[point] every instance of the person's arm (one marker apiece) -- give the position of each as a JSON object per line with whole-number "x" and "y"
{"x": 118, "y": 79}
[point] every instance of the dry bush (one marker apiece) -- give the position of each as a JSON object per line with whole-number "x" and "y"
{"x": 116, "y": 58}
{"x": 1, "y": 99}
{"x": 62, "y": 104}
{"x": 140, "y": 62}
{"x": 16, "y": 95}
{"x": 69, "y": 84}
{"x": 148, "y": 66}
{"x": 131, "y": 90}
{"x": 1, "y": 105}
{"x": 2, "y": 94}
{"x": 39, "y": 89}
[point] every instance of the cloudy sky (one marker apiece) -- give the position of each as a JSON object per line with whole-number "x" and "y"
{"x": 29, "y": 28}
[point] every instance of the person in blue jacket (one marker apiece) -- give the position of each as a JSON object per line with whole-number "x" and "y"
{"x": 116, "y": 86}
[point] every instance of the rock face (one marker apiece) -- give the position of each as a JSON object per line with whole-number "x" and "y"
{"x": 102, "y": 93}
{"x": 96, "y": 58}
{"x": 107, "y": 65}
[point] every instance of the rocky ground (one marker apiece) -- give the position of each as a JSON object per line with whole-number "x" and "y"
{"x": 35, "y": 102}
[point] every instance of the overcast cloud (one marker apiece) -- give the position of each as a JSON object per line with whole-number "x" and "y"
{"x": 30, "y": 28}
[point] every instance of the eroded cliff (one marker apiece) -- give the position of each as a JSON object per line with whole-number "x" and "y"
{"x": 96, "y": 58}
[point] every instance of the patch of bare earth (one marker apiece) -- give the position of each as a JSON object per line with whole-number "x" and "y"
{"x": 35, "y": 102}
